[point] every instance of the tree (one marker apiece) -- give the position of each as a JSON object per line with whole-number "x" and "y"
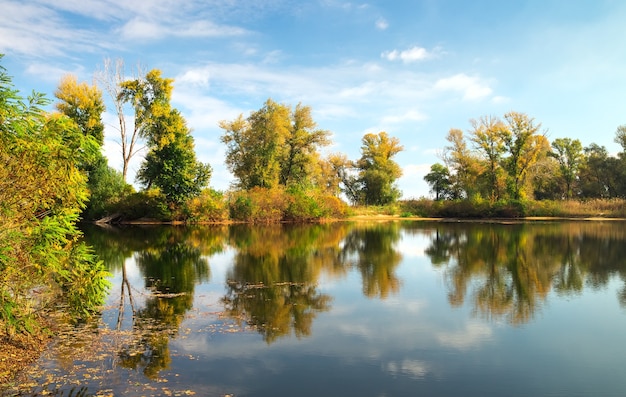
{"x": 42, "y": 191}
{"x": 301, "y": 146}
{"x": 599, "y": 174}
{"x": 464, "y": 165}
{"x": 569, "y": 154}
{"x": 488, "y": 135}
{"x": 524, "y": 147}
{"x": 171, "y": 163}
{"x": 439, "y": 180}
{"x": 377, "y": 169}
{"x": 273, "y": 146}
{"x": 113, "y": 78}
{"x": 253, "y": 145}
{"x": 83, "y": 104}
{"x": 620, "y": 137}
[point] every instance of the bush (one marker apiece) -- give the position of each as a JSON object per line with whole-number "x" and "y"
{"x": 262, "y": 205}
{"x": 258, "y": 205}
{"x": 147, "y": 205}
{"x": 209, "y": 206}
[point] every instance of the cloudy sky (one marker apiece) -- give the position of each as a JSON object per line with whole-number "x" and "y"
{"x": 413, "y": 68}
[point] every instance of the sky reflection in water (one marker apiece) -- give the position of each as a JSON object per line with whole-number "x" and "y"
{"x": 391, "y": 309}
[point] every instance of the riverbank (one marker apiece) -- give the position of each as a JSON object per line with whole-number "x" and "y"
{"x": 17, "y": 353}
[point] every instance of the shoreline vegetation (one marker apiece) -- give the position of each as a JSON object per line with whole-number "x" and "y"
{"x": 54, "y": 175}
{"x": 21, "y": 350}
{"x": 412, "y": 209}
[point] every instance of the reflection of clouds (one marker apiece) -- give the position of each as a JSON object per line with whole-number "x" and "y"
{"x": 413, "y": 368}
{"x": 405, "y": 306}
{"x": 474, "y": 334}
{"x": 412, "y": 247}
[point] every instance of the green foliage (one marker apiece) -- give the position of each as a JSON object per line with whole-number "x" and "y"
{"x": 262, "y": 205}
{"x": 439, "y": 180}
{"x": 170, "y": 164}
{"x": 274, "y": 146}
{"x": 146, "y": 205}
{"x": 377, "y": 170}
{"x": 42, "y": 191}
{"x": 106, "y": 189}
{"x": 209, "y": 206}
{"x": 569, "y": 154}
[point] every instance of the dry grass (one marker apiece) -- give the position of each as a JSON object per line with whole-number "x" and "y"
{"x": 614, "y": 208}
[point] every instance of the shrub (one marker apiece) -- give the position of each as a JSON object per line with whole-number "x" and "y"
{"x": 148, "y": 204}
{"x": 209, "y": 206}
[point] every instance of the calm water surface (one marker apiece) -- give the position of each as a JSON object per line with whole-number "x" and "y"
{"x": 367, "y": 309}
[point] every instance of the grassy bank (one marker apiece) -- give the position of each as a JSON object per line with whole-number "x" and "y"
{"x": 466, "y": 209}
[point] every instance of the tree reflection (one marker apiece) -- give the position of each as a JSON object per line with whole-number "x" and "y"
{"x": 172, "y": 261}
{"x": 371, "y": 250}
{"x": 272, "y": 284}
{"x": 171, "y": 268}
{"x": 508, "y": 270}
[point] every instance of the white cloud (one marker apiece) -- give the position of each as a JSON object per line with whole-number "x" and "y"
{"x": 382, "y": 24}
{"x": 141, "y": 28}
{"x": 472, "y": 88}
{"x": 410, "y": 115}
{"x": 412, "y": 54}
{"x": 38, "y": 31}
{"x": 500, "y": 99}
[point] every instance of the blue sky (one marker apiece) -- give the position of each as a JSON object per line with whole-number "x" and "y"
{"x": 414, "y": 69}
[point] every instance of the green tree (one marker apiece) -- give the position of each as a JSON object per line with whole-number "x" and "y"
{"x": 170, "y": 163}
{"x": 377, "y": 169}
{"x": 42, "y": 191}
{"x": 83, "y": 104}
{"x": 488, "y": 134}
{"x": 524, "y": 146}
{"x": 599, "y": 174}
{"x": 569, "y": 154}
{"x": 274, "y": 146}
{"x": 439, "y": 180}
{"x": 254, "y": 145}
{"x": 464, "y": 165}
{"x": 300, "y": 153}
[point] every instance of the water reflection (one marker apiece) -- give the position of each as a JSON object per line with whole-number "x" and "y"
{"x": 172, "y": 263}
{"x": 373, "y": 251}
{"x": 507, "y": 270}
{"x": 360, "y": 305}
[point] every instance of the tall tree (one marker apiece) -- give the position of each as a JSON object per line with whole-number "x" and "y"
{"x": 170, "y": 163}
{"x": 599, "y": 174}
{"x": 464, "y": 165}
{"x": 112, "y": 78}
{"x": 488, "y": 135}
{"x": 524, "y": 146}
{"x": 273, "y": 146}
{"x": 377, "y": 169}
{"x": 301, "y": 147}
{"x": 569, "y": 154}
{"x": 84, "y": 105}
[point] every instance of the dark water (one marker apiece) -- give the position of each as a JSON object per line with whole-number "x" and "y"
{"x": 368, "y": 309}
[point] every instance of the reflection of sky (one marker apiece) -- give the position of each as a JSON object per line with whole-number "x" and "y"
{"x": 411, "y": 343}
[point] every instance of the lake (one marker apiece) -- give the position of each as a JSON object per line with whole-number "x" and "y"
{"x": 402, "y": 308}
